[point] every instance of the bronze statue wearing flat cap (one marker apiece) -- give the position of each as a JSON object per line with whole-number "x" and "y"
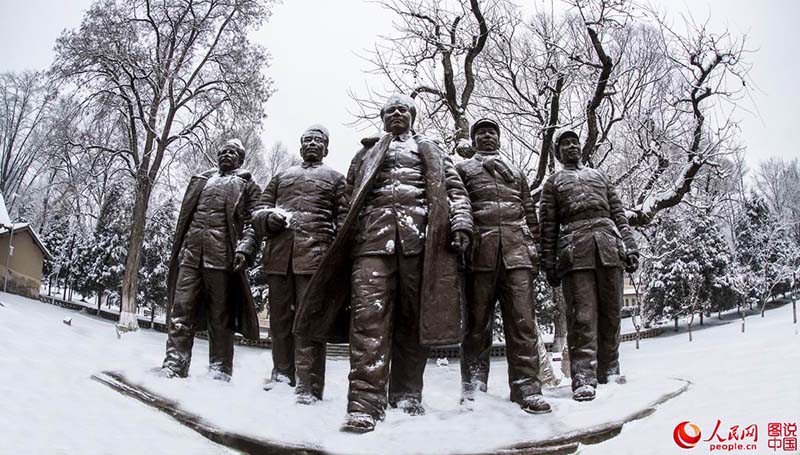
{"x": 586, "y": 244}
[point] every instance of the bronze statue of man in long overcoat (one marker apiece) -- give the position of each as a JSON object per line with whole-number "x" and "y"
{"x": 503, "y": 264}
{"x": 207, "y": 282}
{"x": 300, "y": 211}
{"x": 409, "y": 219}
{"x": 586, "y": 243}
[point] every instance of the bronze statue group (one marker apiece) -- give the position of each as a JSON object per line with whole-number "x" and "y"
{"x": 406, "y": 252}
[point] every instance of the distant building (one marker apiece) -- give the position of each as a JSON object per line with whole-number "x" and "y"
{"x": 24, "y": 271}
{"x": 629, "y": 294}
{"x": 22, "y": 256}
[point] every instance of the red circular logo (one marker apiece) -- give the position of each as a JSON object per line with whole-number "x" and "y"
{"x": 683, "y": 438}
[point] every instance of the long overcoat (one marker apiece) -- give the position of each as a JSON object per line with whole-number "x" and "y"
{"x": 239, "y": 203}
{"x": 441, "y": 295}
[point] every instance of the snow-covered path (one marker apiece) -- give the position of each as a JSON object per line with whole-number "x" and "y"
{"x": 49, "y": 404}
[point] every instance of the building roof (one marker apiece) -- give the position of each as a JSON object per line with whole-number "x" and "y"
{"x": 22, "y": 227}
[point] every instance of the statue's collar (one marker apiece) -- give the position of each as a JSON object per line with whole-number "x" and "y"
{"x": 402, "y": 137}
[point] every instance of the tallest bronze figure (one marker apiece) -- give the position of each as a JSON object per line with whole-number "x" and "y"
{"x": 586, "y": 242}
{"x": 409, "y": 218}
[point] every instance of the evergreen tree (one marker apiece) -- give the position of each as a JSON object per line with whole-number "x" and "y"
{"x": 156, "y": 250}
{"x": 766, "y": 252}
{"x": 101, "y": 259}
{"x": 691, "y": 271}
{"x": 56, "y": 237}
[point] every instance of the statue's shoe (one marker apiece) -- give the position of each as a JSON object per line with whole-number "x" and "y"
{"x": 617, "y": 379}
{"x": 583, "y": 393}
{"x": 358, "y": 422}
{"x": 410, "y": 406}
{"x": 535, "y": 404}
{"x": 166, "y": 372}
{"x": 305, "y": 398}
{"x": 218, "y": 375}
{"x": 272, "y": 382}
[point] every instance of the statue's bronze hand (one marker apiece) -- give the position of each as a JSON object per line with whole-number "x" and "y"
{"x": 239, "y": 262}
{"x": 631, "y": 263}
{"x": 460, "y": 242}
{"x": 552, "y": 279}
{"x": 276, "y": 222}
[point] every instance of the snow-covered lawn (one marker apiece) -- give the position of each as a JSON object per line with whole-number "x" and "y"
{"x": 49, "y": 404}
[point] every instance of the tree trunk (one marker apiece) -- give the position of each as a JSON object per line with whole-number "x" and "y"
{"x": 676, "y": 324}
{"x": 691, "y": 319}
{"x": 99, "y": 301}
{"x": 130, "y": 280}
{"x": 701, "y": 318}
{"x": 46, "y": 202}
{"x": 741, "y": 313}
{"x": 719, "y": 314}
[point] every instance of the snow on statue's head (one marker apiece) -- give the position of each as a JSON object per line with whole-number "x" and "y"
{"x": 235, "y": 144}
{"x": 316, "y": 128}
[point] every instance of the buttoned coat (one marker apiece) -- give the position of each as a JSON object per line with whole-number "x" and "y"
{"x": 314, "y": 197}
{"x": 441, "y": 298}
{"x": 505, "y": 217}
{"x": 582, "y": 218}
{"x": 240, "y": 202}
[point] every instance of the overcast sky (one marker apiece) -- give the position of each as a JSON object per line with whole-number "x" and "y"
{"x": 314, "y": 46}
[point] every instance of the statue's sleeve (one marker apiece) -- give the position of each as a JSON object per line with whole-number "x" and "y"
{"x": 270, "y": 194}
{"x": 248, "y": 244}
{"x": 529, "y": 206}
{"x": 340, "y": 204}
{"x": 618, "y": 215}
{"x": 548, "y": 225}
{"x": 266, "y": 201}
{"x": 458, "y": 198}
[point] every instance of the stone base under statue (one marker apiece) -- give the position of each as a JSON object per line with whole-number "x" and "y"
{"x": 241, "y": 415}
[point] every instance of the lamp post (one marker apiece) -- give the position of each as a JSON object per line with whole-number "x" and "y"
{"x": 10, "y": 246}
{"x": 8, "y": 257}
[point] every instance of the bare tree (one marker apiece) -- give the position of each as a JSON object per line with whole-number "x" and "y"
{"x": 709, "y": 69}
{"x": 527, "y": 73}
{"x": 24, "y": 105}
{"x": 434, "y": 58}
{"x": 779, "y": 182}
{"x": 165, "y": 67}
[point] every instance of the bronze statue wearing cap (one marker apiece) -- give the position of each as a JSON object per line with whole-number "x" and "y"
{"x": 207, "y": 280}
{"x": 300, "y": 212}
{"x": 502, "y": 265}
{"x": 586, "y": 243}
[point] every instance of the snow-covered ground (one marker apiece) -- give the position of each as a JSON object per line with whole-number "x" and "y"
{"x": 49, "y": 404}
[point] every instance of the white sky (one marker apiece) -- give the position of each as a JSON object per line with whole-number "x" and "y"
{"x": 314, "y": 63}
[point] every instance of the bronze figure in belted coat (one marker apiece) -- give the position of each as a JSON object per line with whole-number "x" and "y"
{"x": 408, "y": 221}
{"x": 207, "y": 282}
{"x": 586, "y": 243}
{"x": 300, "y": 212}
{"x": 503, "y": 264}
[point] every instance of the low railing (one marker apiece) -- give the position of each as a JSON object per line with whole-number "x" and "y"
{"x": 334, "y": 350}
